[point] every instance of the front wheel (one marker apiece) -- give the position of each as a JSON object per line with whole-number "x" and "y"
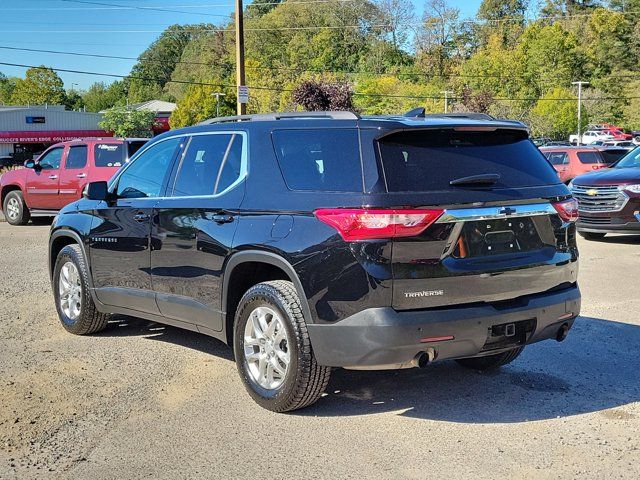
{"x": 592, "y": 235}
{"x": 490, "y": 362}
{"x": 14, "y": 208}
{"x": 273, "y": 351}
{"x": 76, "y": 309}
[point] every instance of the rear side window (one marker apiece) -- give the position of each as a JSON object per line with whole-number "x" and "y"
{"x": 108, "y": 154}
{"x": 590, "y": 157}
{"x": 319, "y": 159}
{"x": 210, "y": 165}
{"x": 425, "y": 160}
{"x": 77, "y": 157}
{"x": 133, "y": 146}
{"x": 556, "y": 158}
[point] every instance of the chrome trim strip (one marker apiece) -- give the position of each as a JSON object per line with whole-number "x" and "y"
{"x": 492, "y": 213}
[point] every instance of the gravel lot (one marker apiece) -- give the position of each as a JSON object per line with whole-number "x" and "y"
{"x": 142, "y": 400}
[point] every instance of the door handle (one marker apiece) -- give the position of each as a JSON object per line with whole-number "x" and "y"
{"x": 222, "y": 218}
{"x": 141, "y": 217}
{"x": 53, "y": 177}
{"x": 81, "y": 175}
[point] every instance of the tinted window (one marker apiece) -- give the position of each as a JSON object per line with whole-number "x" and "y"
{"x": 319, "y": 159}
{"x": 51, "y": 159}
{"x": 632, "y": 159}
{"x": 613, "y": 155}
{"x": 590, "y": 157}
{"x": 420, "y": 161}
{"x": 108, "y": 155}
{"x": 133, "y": 146}
{"x": 210, "y": 165}
{"x": 144, "y": 177}
{"x": 556, "y": 158}
{"x": 77, "y": 157}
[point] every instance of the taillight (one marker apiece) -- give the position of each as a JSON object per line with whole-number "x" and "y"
{"x": 567, "y": 209}
{"x": 365, "y": 224}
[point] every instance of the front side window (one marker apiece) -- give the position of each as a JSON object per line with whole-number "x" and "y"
{"x": 51, "y": 159}
{"x": 210, "y": 165}
{"x": 320, "y": 159}
{"x": 76, "y": 158}
{"x": 145, "y": 176}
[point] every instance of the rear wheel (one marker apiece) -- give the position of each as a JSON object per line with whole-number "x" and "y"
{"x": 490, "y": 362}
{"x": 592, "y": 235}
{"x": 76, "y": 309}
{"x": 273, "y": 351}
{"x": 14, "y": 208}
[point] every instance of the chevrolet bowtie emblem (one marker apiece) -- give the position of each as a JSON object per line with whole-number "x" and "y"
{"x": 592, "y": 192}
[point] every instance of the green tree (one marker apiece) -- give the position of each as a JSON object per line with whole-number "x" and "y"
{"x": 73, "y": 100}
{"x": 100, "y": 96}
{"x": 505, "y": 18}
{"x": 200, "y": 103}
{"x": 555, "y": 114}
{"x": 128, "y": 123}
{"x": 156, "y": 64}
{"x": 7, "y": 86}
{"x": 40, "y": 86}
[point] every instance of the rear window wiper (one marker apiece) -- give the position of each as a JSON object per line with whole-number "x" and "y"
{"x": 483, "y": 179}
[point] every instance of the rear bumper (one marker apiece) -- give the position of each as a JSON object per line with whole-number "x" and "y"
{"x": 386, "y": 338}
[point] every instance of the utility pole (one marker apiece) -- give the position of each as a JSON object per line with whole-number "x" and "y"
{"x": 446, "y": 100}
{"x": 242, "y": 107}
{"x": 580, "y": 84}
{"x": 218, "y": 95}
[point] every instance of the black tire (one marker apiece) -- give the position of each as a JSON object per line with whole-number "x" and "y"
{"x": 23, "y": 215}
{"x": 592, "y": 235}
{"x": 90, "y": 320}
{"x": 305, "y": 380}
{"x": 490, "y": 362}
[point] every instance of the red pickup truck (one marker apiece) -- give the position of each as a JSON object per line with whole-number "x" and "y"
{"x": 60, "y": 174}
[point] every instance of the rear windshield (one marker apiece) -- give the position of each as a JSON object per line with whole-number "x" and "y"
{"x": 319, "y": 159}
{"x": 590, "y": 157}
{"x": 425, "y": 160}
{"x": 108, "y": 154}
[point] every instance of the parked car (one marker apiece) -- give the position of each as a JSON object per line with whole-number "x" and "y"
{"x": 589, "y": 137}
{"x": 59, "y": 176}
{"x": 612, "y": 154}
{"x": 619, "y": 143}
{"x": 310, "y": 241}
{"x": 609, "y": 199}
{"x": 541, "y": 141}
{"x": 570, "y": 162}
{"x": 558, "y": 143}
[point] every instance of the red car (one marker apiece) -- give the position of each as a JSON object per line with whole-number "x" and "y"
{"x": 570, "y": 162}
{"x": 60, "y": 174}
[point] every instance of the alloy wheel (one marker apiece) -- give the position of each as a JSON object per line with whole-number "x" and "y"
{"x": 70, "y": 290}
{"x": 266, "y": 348}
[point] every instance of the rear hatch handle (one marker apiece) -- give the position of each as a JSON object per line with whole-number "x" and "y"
{"x": 482, "y": 179}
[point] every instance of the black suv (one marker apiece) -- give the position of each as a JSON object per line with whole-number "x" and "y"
{"x": 318, "y": 240}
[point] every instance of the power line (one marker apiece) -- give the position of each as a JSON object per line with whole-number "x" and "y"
{"x": 279, "y": 89}
{"x": 294, "y": 69}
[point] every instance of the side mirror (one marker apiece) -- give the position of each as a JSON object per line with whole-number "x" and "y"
{"x": 96, "y": 191}
{"x": 30, "y": 164}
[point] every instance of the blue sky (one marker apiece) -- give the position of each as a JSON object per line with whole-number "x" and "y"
{"x": 96, "y": 27}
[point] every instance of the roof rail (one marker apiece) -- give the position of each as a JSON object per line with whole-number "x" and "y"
{"x": 335, "y": 115}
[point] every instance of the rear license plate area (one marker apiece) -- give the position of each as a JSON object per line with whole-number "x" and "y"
{"x": 493, "y": 237}
{"x": 512, "y": 334}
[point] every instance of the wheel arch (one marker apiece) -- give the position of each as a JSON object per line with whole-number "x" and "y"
{"x": 10, "y": 188}
{"x": 60, "y": 239}
{"x": 262, "y": 266}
